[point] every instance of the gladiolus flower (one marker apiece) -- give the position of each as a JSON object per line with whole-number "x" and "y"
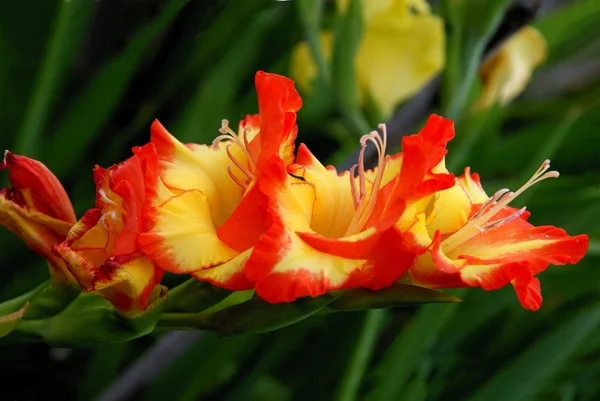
{"x": 37, "y": 209}
{"x": 207, "y": 211}
{"x": 101, "y": 250}
{"x": 469, "y": 239}
{"x": 505, "y": 74}
{"x": 401, "y": 50}
{"x": 335, "y": 231}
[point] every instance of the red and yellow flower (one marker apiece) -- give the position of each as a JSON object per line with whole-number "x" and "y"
{"x": 335, "y": 231}
{"x": 37, "y": 209}
{"x": 101, "y": 250}
{"x": 207, "y": 211}
{"x": 468, "y": 239}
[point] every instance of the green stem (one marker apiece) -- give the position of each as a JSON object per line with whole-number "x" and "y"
{"x": 310, "y": 12}
{"x": 355, "y": 370}
{"x": 184, "y": 321}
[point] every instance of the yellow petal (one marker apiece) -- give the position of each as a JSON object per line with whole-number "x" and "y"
{"x": 451, "y": 210}
{"x": 506, "y": 73}
{"x": 130, "y": 286}
{"x": 183, "y": 237}
{"x": 333, "y": 207}
{"x": 229, "y": 275}
{"x": 201, "y": 168}
{"x": 472, "y": 186}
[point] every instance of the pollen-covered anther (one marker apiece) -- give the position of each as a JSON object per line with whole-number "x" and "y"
{"x": 365, "y": 203}
{"x": 480, "y": 221}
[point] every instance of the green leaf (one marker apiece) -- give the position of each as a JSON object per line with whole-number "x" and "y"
{"x": 88, "y": 113}
{"x": 309, "y": 12}
{"x": 471, "y": 24}
{"x": 24, "y": 29}
{"x": 410, "y": 346}
{"x": 68, "y": 32}
{"x": 207, "y": 363}
{"x": 346, "y": 39}
{"x": 9, "y": 322}
{"x": 579, "y": 26}
{"x": 396, "y": 295}
{"x": 361, "y": 356}
{"x": 532, "y": 370}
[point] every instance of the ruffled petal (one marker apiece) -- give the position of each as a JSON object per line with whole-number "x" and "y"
{"x": 278, "y": 102}
{"x": 529, "y": 292}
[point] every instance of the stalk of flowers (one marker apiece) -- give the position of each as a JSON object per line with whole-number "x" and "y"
{"x": 245, "y": 215}
{"x": 101, "y": 250}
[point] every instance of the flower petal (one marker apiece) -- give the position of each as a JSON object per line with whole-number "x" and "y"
{"x": 278, "y": 102}
{"x": 230, "y": 275}
{"x": 506, "y": 73}
{"x": 333, "y": 208}
{"x": 183, "y": 237}
{"x": 529, "y": 292}
{"x": 519, "y": 240}
{"x": 409, "y": 52}
{"x": 198, "y": 167}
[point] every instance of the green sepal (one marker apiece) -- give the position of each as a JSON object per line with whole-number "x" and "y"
{"x": 45, "y": 300}
{"x": 10, "y": 321}
{"x": 397, "y": 295}
{"x": 258, "y": 316}
{"x": 89, "y": 321}
{"x": 195, "y": 296}
{"x": 51, "y": 298}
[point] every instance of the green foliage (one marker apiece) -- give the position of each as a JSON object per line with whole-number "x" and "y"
{"x": 81, "y": 82}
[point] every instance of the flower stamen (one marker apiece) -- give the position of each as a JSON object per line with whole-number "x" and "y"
{"x": 228, "y": 135}
{"x": 480, "y": 221}
{"x": 364, "y": 203}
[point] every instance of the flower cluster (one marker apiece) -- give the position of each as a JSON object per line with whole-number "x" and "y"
{"x": 250, "y": 212}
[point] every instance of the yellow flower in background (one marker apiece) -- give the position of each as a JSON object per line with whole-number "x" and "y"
{"x": 505, "y": 74}
{"x": 401, "y": 50}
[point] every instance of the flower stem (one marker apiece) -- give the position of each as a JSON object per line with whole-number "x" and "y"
{"x": 184, "y": 321}
{"x": 359, "y": 360}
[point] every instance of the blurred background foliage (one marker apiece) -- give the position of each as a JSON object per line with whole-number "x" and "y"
{"x": 81, "y": 81}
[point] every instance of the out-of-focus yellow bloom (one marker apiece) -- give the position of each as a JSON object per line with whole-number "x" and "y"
{"x": 506, "y": 73}
{"x": 401, "y": 50}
